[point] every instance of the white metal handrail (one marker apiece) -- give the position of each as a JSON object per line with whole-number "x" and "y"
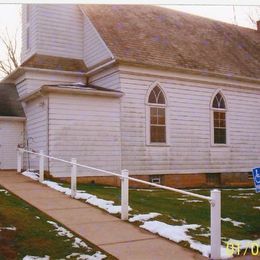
{"x": 214, "y": 199}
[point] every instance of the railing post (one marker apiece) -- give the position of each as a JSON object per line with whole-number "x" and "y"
{"x": 73, "y": 181}
{"x": 124, "y": 195}
{"x": 215, "y": 224}
{"x": 19, "y": 160}
{"x": 41, "y": 166}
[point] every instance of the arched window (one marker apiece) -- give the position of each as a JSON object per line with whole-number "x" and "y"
{"x": 157, "y": 118}
{"x": 219, "y": 119}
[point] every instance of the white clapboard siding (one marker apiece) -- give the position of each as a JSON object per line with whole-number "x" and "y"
{"x": 189, "y": 128}
{"x": 33, "y": 34}
{"x": 37, "y": 129}
{"x": 95, "y": 50}
{"x": 55, "y": 30}
{"x": 11, "y": 135}
{"x": 34, "y": 80}
{"x": 86, "y": 128}
{"x": 109, "y": 78}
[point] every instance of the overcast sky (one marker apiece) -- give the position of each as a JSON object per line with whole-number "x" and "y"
{"x": 10, "y": 14}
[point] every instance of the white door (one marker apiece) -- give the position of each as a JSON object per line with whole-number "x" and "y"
{"x": 11, "y": 134}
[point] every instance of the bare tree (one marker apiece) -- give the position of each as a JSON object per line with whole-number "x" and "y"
{"x": 10, "y": 48}
{"x": 254, "y": 15}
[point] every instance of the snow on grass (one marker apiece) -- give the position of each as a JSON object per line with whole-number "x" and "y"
{"x": 3, "y": 190}
{"x": 183, "y": 221}
{"x": 257, "y": 208}
{"x": 96, "y": 256}
{"x": 63, "y": 232}
{"x": 189, "y": 201}
{"x": 246, "y": 194}
{"x": 235, "y": 223}
{"x": 107, "y": 205}
{"x": 178, "y": 234}
{"x": 8, "y": 228}
{"x": 144, "y": 217}
{"x": 238, "y": 197}
{"x": 79, "y": 243}
{"x": 29, "y": 257}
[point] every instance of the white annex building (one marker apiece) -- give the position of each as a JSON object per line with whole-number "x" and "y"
{"x": 172, "y": 97}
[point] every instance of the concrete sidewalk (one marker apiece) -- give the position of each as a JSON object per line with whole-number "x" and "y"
{"x": 119, "y": 238}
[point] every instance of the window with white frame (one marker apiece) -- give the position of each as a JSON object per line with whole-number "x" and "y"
{"x": 219, "y": 119}
{"x": 157, "y": 115}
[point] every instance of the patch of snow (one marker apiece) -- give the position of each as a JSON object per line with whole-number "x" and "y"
{"x": 204, "y": 235}
{"x": 174, "y": 233}
{"x": 97, "y": 256}
{"x": 189, "y": 201}
{"x": 179, "y": 220}
{"x": 63, "y": 232}
{"x": 236, "y": 189}
{"x": 109, "y": 187}
{"x": 238, "y": 197}
{"x": 31, "y": 174}
{"x": 79, "y": 243}
{"x": 89, "y": 198}
{"x": 144, "y": 217}
{"x": 246, "y": 194}
{"x": 29, "y": 257}
{"x": 8, "y": 228}
{"x": 37, "y": 217}
{"x": 235, "y": 223}
{"x": 144, "y": 190}
{"x": 3, "y": 190}
{"x": 181, "y": 199}
{"x": 178, "y": 234}
{"x": 257, "y": 208}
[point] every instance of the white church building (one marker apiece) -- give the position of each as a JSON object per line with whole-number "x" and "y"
{"x": 172, "y": 97}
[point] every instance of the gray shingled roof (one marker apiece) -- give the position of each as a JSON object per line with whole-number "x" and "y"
{"x": 152, "y": 35}
{"x": 9, "y": 103}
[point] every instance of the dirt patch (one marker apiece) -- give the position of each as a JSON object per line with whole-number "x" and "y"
{"x": 7, "y": 244}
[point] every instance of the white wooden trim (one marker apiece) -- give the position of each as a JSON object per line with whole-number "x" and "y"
{"x": 147, "y": 116}
{"x": 212, "y": 110}
{"x": 12, "y": 118}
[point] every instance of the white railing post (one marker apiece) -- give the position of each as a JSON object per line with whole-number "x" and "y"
{"x": 215, "y": 224}
{"x": 41, "y": 166}
{"x": 73, "y": 181}
{"x": 19, "y": 160}
{"x": 124, "y": 195}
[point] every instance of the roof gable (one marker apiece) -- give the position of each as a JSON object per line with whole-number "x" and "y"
{"x": 163, "y": 37}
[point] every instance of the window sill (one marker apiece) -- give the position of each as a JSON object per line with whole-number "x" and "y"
{"x": 158, "y": 145}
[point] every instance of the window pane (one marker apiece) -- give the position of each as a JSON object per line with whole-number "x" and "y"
{"x": 156, "y": 96}
{"x": 219, "y": 101}
{"x": 153, "y": 115}
{"x": 219, "y": 135}
{"x": 161, "y": 99}
{"x": 161, "y": 116}
{"x": 152, "y": 98}
{"x": 158, "y": 134}
{"x": 222, "y": 103}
